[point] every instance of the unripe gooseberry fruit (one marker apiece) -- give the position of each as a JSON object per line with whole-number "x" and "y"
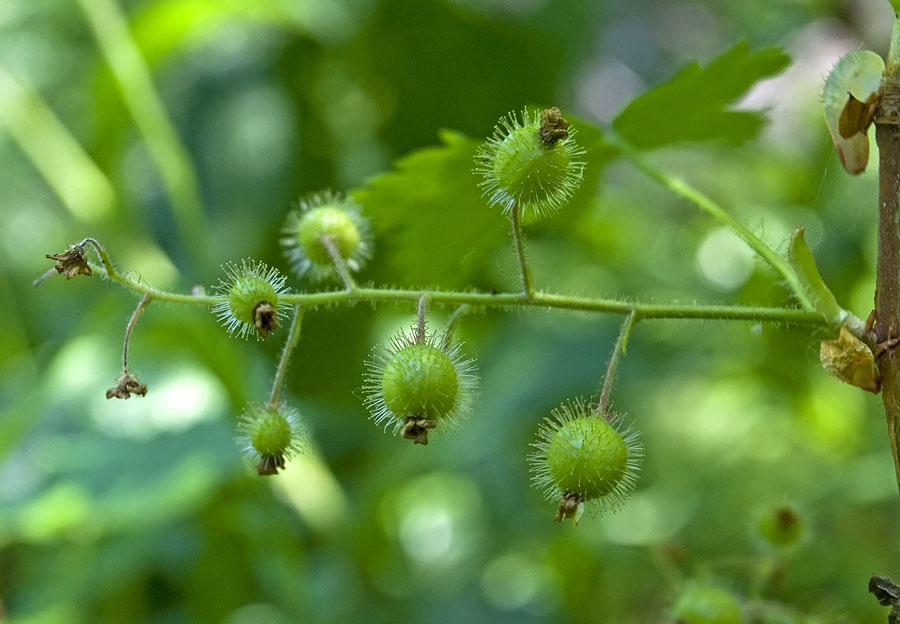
{"x": 583, "y": 457}
{"x": 707, "y": 604}
{"x": 782, "y": 527}
{"x": 251, "y": 292}
{"x": 321, "y": 220}
{"x": 419, "y": 379}
{"x": 418, "y": 382}
{"x": 270, "y": 435}
{"x": 532, "y": 164}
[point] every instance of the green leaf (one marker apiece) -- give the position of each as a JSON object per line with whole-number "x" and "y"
{"x": 804, "y": 264}
{"x": 692, "y": 106}
{"x": 432, "y": 224}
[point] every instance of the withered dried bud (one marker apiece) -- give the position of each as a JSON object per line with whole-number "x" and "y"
{"x": 126, "y": 385}
{"x": 850, "y": 360}
{"x": 569, "y": 506}
{"x": 416, "y": 429}
{"x": 71, "y": 262}
{"x": 265, "y": 318}
{"x": 553, "y": 126}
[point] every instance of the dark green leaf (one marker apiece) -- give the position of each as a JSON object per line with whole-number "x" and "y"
{"x": 693, "y": 106}
{"x": 431, "y": 223}
{"x": 430, "y": 206}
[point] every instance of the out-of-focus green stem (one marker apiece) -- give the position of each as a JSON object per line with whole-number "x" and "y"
{"x": 707, "y": 205}
{"x": 893, "y": 59}
{"x": 135, "y": 82}
{"x": 80, "y": 185}
{"x": 339, "y": 263}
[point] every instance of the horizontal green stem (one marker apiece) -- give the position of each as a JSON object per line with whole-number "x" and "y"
{"x": 643, "y": 311}
{"x": 685, "y": 190}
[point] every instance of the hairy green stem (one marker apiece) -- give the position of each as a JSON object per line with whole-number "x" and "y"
{"x": 618, "y": 350}
{"x": 145, "y": 301}
{"x": 289, "y": 345}
{"x": 339, "y": 263}
{"x": 519, "y": 242}
{"x": 685, "y": 190}
{"x": 108, "y": 267}
{"x": 646, "y": 311}
{"x": 421, "y": 311}
{"x": 135, "y": 82}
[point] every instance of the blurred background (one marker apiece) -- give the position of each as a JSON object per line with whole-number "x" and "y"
{"x": 188, "y": 150}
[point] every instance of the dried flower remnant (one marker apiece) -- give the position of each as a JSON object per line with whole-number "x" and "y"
{"x": 265, "y": 318}
{"x": 126, "y": 385}
{"x": 553, "y": 126}
{"x": 71, "y": 262}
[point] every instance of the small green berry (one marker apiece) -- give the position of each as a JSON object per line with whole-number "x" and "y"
{"x": 707, "y": 604}
{"x": 782, "y": 527}
{"x": 587, "y": 456}
{"x": 532, "y": 164}
{"x": 420, "y": 379}
{"x": 270, "y": 436}
{"x": 322, "y": 216}
{"x": 582, "y": 457}
{"x": 251, "y": 293}
{"x": 419, "y": 382}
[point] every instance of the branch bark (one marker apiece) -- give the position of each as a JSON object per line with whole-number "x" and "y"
{"x": 887, "y": 291}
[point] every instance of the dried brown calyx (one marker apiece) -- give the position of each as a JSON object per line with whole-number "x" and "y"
{"x": 553, "y": 126}
{"x": 71, "y": 262}
{"x": 265, "y": 318}
{"x": 568, "y": 506}
{"x": 126, "y": 385}
{"x": 416, "y": 429}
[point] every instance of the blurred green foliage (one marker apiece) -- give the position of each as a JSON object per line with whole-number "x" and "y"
{"x": 142, "y": 511}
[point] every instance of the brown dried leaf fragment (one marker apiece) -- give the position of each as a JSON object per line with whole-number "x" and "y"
{"x": 553, "y": 126}
{"x": 850, "y": 360}
{"x": 71, "y": 262}
{"x": 857, "y": 116}
{"x": 126, "y": 385}
{"x": 265, "y": 318}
